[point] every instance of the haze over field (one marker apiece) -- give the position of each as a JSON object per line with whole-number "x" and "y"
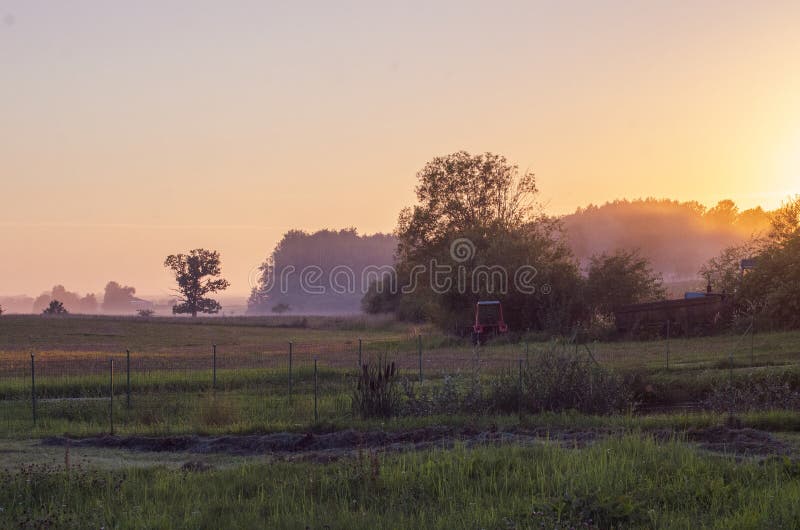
{"x": 133, "y": 132}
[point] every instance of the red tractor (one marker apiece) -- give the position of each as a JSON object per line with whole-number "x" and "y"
{"x": 488, "y": 321}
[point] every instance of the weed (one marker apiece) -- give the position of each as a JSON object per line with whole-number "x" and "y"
{"x": 561, "y": 381}
{"x": 755, "y": 393}
{"x": 376, "y": 394}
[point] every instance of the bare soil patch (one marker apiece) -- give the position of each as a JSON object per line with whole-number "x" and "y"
{"x": 331, "y": 446}
{"x": 341, "y": 444}
{"x": 750, "y": 442}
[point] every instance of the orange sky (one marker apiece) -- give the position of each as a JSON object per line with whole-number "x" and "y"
{"x": 131, "y": 132}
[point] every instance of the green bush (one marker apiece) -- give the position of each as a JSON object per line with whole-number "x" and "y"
{"x": 455, "y": 395}
{"x": 558, "y": 381}
{"x": 754, "y": 393}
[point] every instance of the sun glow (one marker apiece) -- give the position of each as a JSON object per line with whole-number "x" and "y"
{"x": 794, "y": 159}
{"x": 789, "y": 165}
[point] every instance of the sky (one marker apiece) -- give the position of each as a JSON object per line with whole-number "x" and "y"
{"x": 133, "y": 130}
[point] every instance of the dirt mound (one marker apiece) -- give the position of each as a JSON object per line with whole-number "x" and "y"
{"x": 329, "y": 446}
{"x": 725, "y": 439}
{"x": 325, "y": 447}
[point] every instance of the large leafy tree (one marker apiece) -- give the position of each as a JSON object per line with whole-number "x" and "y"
{"x": 489, "y": 205}
{"x": 463, "y": 193}
{"x": 786, "y": 223}
{"x": 197, "y": 275}
{"x": 772, "y": 289}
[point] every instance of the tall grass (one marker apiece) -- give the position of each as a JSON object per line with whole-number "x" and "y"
{"x": 620, "y": 483}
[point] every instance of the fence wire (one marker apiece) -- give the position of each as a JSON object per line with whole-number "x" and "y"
{"x": 224, "y": 387}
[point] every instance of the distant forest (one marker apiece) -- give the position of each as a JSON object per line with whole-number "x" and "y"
{"x": 323, "y": 251}
{"x": 677, "y": 237}
{"x": 116, "y": 299}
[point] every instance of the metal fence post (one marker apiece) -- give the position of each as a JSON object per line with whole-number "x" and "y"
{"x": 359, "y": 355}
{"x": 290, "y": 371}
{"x": 730, "y": 385}
{"x": 214, "y": 366}
{"x": 128, "y": 379}
{"x": 316, "y": 412}
{"x": 668, "y": 330}
{"x": 111, "y": 393}
{"x": 730, "y": 368}
{"x": 33, "y": 387}
{"x": 519, "y": 391}
{"x": 419, "y": 351}
{"x": 752, "y": 338}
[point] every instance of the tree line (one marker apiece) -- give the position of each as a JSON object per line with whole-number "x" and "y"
{"x": 479, "y": 216}
{"x": 197, "y": 274}
{"x": 333, "y": 256}
{"x": 678, "y": 238}
{"x": 116, "y": 298}
{"x": 489, "y": 202}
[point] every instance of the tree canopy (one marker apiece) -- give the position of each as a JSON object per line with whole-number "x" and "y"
{"x": 771, "y": 289}
{"x": 339, "y": 261}
{"x": 197, "y": 275}
{"x": 72, "y": 302}
{"x": 461, "y": 193}
{"x": 475, "y": 227}
{"x": 118, "y": 297}
{"x": 621, "y": 278}
{"x": 55, "y": 308}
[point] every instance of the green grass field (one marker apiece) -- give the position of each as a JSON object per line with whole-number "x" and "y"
{"x": 631, "y": 475}
{"x": 627, "y": 482}
{"x": 172, "y": 384}
{"x": 108, "y": 334}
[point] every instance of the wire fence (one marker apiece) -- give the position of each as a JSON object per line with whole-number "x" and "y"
{"x": 286, "y": 384}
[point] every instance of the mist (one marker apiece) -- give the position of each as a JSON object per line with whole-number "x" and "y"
{"x": 677, "y": 237}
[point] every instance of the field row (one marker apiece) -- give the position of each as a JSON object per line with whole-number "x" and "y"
{"x": 623, "y": 482}
{"x": 433, "y": 353}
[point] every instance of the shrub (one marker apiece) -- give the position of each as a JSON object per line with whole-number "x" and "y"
{"x": 376, "y": 393}
{"x": 592, "y": 511}
{"x": 456, "y": 394}
{"x": 561, "y": 381}
{"x": 145, "y": 313}
{"x": 55, "y": 308}
{"x": 771, "y": 392}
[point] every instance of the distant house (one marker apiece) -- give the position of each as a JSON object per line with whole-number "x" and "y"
{"x": 138, "y": 304}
